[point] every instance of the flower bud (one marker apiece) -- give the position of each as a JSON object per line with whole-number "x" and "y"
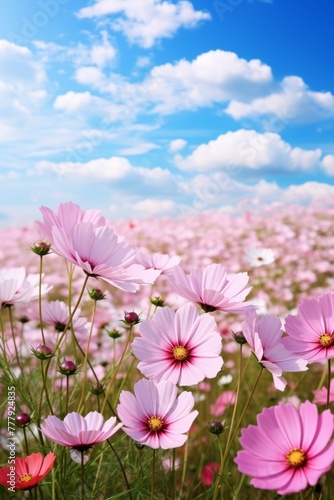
{"x": 157, "y": 301}
{"x": 216, "y": 427}
{"x": 42, "y": 352}
{"x": 131, "y": 318}
{"x": 41, "y": 248}
{"x": 22, "y": 419}
{"x": 97, "y": 294}
{"x": 239, "y": 337}
{"x": 114, "y": 333}
{"x": 97, "y": 389}
{"x": 67, "y": 367}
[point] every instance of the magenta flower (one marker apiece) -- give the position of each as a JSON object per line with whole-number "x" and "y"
{"x": 264, "y": 335}
{"x": 311, "y": 333}
{"x": 155, "y": 416}
{"x": 212, "y": 288}
{"x": 67, "y": 215}
{"x": 181, "y": 346}
{"x": 16, "y": 287}
{"x": 288, "y": 449}
{"x": 78, "y": 432}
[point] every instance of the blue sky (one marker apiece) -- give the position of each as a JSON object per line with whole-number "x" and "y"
{"x": 163, "y": 108}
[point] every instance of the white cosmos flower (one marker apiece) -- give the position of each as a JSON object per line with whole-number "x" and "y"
{"x": 257, "y": 257}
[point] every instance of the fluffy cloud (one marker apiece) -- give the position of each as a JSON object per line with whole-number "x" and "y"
{"x": 177, "y": 145}
{"x": 146, "y": 21}
{"x": 212, "y": 77}
{"x": 90, "y": 105}
{"x": 248, "y": 149}
{"x": 328, "y": 164}
{"x": 294, "y": 102}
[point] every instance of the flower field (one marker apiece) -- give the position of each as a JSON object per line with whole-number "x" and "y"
{"x": 168, "y": 359}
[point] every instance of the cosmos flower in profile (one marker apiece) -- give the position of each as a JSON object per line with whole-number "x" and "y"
{"x": 155, "y": 415}
{"x": 16, "y": 287}
{"x": 288, "y": 449}
{"x": 311, "y": 332}
{"x": 264, "y": 335}
{"x": 213, "y": 288}
{"x": 183, "y": 346}
{"x": 78, "y": 432}
{"x": 28, "y": 471}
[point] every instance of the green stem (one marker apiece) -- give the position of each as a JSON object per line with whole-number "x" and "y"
{"x": 112, "y": 379}
{"x": 40, "y": 298}
{"x": 11, "y": 320}
{"x": 81, "y": 403}
{"x": 82, "y": 476}
{"x": 228, "y": 447}
{"x": 328, "y": 382}
{"x": 153, "y": 475}
{"x": 184, "y": 468}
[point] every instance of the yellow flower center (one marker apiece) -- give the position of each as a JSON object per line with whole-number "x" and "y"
{"x": 180, "y": 353}
{"x": 155, "y": 423}
{"x": 26, "y": 478}
{"x": 326, "y": 340}
{"x": 296, "y": 458}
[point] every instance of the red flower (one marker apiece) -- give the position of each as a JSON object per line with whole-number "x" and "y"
{"x": 25, "y": 473}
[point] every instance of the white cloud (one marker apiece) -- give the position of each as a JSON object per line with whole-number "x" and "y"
{"x": 251, "y": 150}
{"x": 90, "y": 105}
{"x": 177, "y": 145}
{"x": 138, "y": 149}
{"x": 146, "y": 21}
{"x": 294, "y": 102}
{"x": 328, "y": 164}
{"x": 98, "y": 53}
{"x": 212, "y": 77}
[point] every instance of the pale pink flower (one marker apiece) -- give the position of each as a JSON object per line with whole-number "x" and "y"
{"x": 225, "y": 399}
{"x": 16, "y": 287}
{"x": 288, "y": 449}
{"x": 311, "y": 333}
{"x": 155, "y": 416}
{"x": 100, "y": 253}
{"x": 78, "y": 432}
{"x": 183, "y": 346}
{"x": 320, "y": 396}
{"x": 264, "y": 335}
{"x": 213, "y": 288}
{"x": 159, "y": 261}
{"x": 67, "y": 215}
{"x": 56, "y": 313}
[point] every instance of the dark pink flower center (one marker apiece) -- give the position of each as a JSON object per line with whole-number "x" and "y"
{"x": 296, "y": 458}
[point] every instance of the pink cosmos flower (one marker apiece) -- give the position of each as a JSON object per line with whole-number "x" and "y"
{"x": 226, "y": 398}
{"x": 155, "y": 416}
{"x": 78, "y": 432}
{"x": 164, "y": 263}
{"x": 288, "y": 449}
{"x": 264, "y": 336}
{"x": 180, "y": 346}
{"x": 56, "y": 313}
{"x": 28, "y": 471}
{"x": 16, "y": 287}
{"x": 100, "y": 253}
{"x": 67, "y": 215}
{"x": 320, "y": 397}
{"x": 311, "y": 333}
{"x": 212, "y": 288}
